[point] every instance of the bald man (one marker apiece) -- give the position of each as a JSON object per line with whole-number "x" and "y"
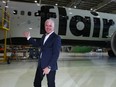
{"x": 50, "y": 45}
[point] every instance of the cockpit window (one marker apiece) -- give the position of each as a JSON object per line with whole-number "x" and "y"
{"x": 15, "y": 12}
{"x": 29, "y": 13}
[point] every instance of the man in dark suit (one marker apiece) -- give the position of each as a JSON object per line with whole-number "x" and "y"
{"x": 50, "y": 45}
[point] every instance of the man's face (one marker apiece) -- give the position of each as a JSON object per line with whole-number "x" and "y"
{"x": 49, "y": 27}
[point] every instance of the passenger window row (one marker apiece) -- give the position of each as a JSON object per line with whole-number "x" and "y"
{"x": 29, "y": 13}
{"x": 15, "y": 12}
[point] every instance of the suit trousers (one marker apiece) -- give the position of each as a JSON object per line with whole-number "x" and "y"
{"x": 39, "y": 77}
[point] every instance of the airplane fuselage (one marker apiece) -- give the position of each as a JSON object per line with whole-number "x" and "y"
{"x": 70, "y": 24}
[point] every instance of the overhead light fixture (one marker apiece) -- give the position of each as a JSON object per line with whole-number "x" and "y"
{"x": 56, "y": 4}
{"x": 35, "y": 1}
{"x": 93, "y": 12}
{"x": 91, "y": 9}
{"x": 3, "y": 1}
{"x": 30, "y": 28}
{"x": 38, "y": 3}
{"x": 75, "y": 6}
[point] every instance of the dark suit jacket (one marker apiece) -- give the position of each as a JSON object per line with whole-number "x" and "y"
{"x": 50, "y": 50}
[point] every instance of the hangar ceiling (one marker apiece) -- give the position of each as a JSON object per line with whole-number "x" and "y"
{"x": 108, "y": 6}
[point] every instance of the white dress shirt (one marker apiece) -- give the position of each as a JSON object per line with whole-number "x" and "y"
{"x": 47, "y": 36}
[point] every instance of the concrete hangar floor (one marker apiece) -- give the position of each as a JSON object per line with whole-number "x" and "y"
{"x": 75, "y": 70}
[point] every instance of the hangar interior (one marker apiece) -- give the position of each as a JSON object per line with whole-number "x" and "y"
{"x": 75, "y": 70}
{"x": 107, "y": 6}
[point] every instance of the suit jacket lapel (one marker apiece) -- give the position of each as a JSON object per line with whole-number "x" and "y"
{"x": 49, "y": 38}
{"x": 43, "y": 39}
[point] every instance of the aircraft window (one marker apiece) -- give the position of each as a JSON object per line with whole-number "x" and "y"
{"x": 15, "y": 12}
{"x": 22, "y": 12}
{"x": 36, "y": 14}
{"x": 111, "y": 22}
{"x": 29, "y": 13}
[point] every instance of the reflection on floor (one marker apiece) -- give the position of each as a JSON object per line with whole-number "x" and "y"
{"x": 89, "y": 71}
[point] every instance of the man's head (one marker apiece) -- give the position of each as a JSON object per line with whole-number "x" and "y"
{"x": 49, "y": 25}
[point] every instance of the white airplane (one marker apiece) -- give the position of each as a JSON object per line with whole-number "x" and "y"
{"x": 75, "y": 26}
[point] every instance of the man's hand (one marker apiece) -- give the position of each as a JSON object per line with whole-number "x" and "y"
{"x": 26, "y": 34}
{"x": 46, "y": 70}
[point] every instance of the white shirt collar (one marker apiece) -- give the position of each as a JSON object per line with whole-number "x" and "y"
{"x": 47, "y": 36}
{"x": 49, "y": 33}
